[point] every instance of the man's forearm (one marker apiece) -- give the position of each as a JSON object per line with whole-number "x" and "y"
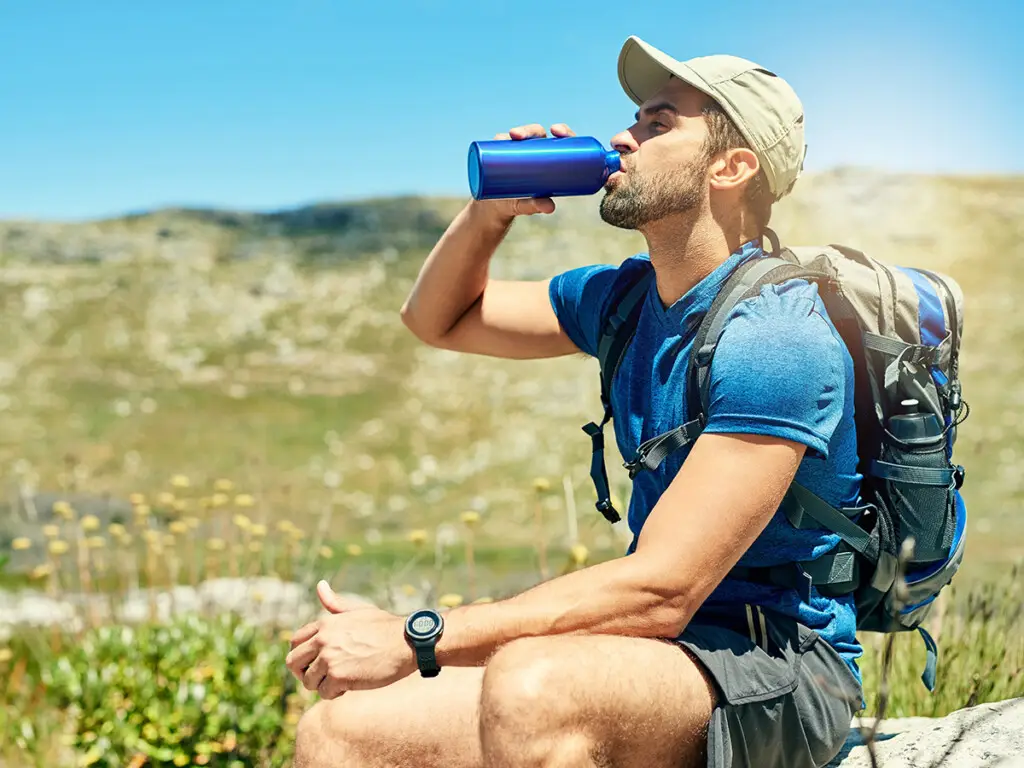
{"x": 625, "y": 596}
{"x": 455, "y": 273}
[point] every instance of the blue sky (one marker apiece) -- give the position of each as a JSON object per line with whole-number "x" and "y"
{"x": 111, "y": 106}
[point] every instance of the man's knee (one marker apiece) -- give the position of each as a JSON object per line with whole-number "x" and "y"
{"x": 530, "y": 705}
{"x": 324, "y": 737}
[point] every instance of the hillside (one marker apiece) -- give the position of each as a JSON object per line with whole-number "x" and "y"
{"x": 267, "y": 348}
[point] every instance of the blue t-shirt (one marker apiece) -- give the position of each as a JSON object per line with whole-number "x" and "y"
{"x": 781, "y": 368}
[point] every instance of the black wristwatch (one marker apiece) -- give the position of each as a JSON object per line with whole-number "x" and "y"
{"x": 422, "y": 631}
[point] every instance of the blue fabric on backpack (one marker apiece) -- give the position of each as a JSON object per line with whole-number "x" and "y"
{"x": 781, "y": 369}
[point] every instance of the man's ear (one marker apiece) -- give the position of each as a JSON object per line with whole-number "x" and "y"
{"x": 733, "y": 169}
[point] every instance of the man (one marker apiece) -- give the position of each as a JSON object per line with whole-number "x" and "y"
{"x": 656, "y": 658}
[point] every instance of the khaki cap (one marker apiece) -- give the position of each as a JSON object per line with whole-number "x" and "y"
{"x": 763, "y": 105}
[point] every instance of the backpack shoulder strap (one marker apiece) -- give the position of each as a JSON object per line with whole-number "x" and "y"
{"x": 616, "y": 333}
{"x": 618, "y": 330}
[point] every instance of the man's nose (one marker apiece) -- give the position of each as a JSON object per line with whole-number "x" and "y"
{"x": 624, "y": 143}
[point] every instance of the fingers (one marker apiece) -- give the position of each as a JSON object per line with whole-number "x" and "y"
{"x": 315, "y": 674}
{"x": 302, "y": 634}
{"x": 301, "y": 657}
{"x": 534, "y": 131}
{"x": 527, "y": 206}
{"x": 330, "y": 688}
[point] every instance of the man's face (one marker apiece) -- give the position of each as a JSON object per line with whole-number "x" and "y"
{"x": 664, "y": 167}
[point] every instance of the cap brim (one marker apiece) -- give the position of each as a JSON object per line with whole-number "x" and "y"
{"x": 644, "y": 70}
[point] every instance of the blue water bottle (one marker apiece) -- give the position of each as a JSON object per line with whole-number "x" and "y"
{"x": 549, "y": 167}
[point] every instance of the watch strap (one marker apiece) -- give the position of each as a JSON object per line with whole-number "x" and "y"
{"x": 426, "y": 659}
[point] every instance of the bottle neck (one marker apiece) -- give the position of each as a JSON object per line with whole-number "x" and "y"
{"x": 612, "y": 161}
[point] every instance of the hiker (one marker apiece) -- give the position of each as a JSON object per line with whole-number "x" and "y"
{"x": 676, "y": 653}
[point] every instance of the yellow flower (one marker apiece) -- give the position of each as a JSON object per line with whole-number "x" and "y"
{"x": 579, "y": 554}
{"x": 243, "y": 522}
{"x": 96, "y": 542}
{"x": 142, "y": 510}
{"x": 541, "y": 484}
{"x": 64, "y": 510}
{"x": 256, "y": 546}
{"x": 191, "y": 522}
{"x": 354, "y": 550}
{"x": 484, "y": 600}
{"x": 6, "y": 654}
{"x": 470, "y": 518}
{"x": 219, "y": 500}
{"x": 418, "y": 536}
{"x": 137, "y": 498}
{"x": 409, "y": 590}
{"x": 51, "y": 531}
{"x": 21, "y": 543}
{"x": 116, "y": 530}
{"x": 215, "y": 545}
{"x": 223, "y": 485}
{"x": 285, "y": 635}
{"x": 297, "y": 534}
{"x": 58, "y": 547}
{"x": 165, "y": 499}
{"x": 181, "y": 760}
{"x": 178, "y": 526}
{"x": 90, "y": 523}
{"x": 259, "y": 529}
{"x": 180, "y": 505}
{"x": 326, "y": 553}
{"x": 180, "y": 481}
{"x": 169, "y": 540}
{"x": 151, "y": 536}
{"x": 41, "y": 571}
{"x": 244, "y": 500}
{"x": 450, "y": 600}
{"x": 285, "y": 526}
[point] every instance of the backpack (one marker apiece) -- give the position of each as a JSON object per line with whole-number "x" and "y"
{"x": 902, "y": 327}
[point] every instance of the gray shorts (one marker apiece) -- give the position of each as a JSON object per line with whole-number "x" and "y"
{"x": 785, "y": 696}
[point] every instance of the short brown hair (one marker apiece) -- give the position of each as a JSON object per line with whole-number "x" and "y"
{"x": 723, "y": 135}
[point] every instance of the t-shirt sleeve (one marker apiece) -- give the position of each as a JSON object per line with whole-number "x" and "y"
{"x": 779, "y": 369}
{"x": 578, "y": 298}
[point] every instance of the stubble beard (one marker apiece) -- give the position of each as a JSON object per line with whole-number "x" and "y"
{"x": 638, "y": 199}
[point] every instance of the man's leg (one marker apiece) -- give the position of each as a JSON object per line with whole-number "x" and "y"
{"x": 558, "y": 701}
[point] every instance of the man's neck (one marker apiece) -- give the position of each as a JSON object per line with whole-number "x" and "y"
{"x": 684, "y": 252}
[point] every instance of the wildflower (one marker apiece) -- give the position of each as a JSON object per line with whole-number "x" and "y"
{"x": 541, "y": 484}
{"x": 165, "y": 499}
{"x": 58, "y": 547}
{"x": 215, "y": 545}
{"x": 579, "y": 553}
{"x": 142, "y": 510}
{"x": 41, "y": 571}
{"x": 409, "y": 590}
{"x": 151, "y": 536}
{"x": 354, "y": 550}
{"x": 180, "y": 505}
{"x": 326, "y": 553}
{"x": 219, "y": 500}
{"x": 256, "y": 547}
{"x": 418, "y": 536}
{"x": 51, "y": 531}
{"x": 244, "y": 500}
{"x": 285, "y": 526}
{"x": 137, "y": 498}
{"x": 64, "y": 510}
{"x": 484, "y": 600}
{"x": 96, "y": 542}
{"x": 6, "y": 654}
{"x": 191, "y": 522}
{"x": 180, "y": 481}
{"x": 450, "y": 600}
{"x": 21, "y": 543}
{"x": 90, "y": 523}
{"x": 223, "y": 485}
{"x": 285, "y": 636}
{"x": 242, "y": 522}
{"x": 178, "y": 527}
{"x": 470, "y": 518}
{"x": 259, "y": 529}
{"x": 297, "y": 534}
{"x": 116, "y": 530}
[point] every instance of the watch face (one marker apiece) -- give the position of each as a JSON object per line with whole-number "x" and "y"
{"x": 423, "y": 624}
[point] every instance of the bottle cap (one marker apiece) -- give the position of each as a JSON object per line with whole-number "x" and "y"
{"x": 910, "y": 403}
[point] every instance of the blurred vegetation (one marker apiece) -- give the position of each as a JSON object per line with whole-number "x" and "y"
{"x": 159, "y": 354}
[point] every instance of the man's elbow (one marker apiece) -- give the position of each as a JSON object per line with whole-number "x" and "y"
{"x": 670, "y": 615}
{"x": 414, "y": 322}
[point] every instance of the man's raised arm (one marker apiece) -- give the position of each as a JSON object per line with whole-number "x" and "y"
{"x": 455, "y": 305}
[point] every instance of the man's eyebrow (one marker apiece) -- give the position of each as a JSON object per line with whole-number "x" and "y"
{"x": 661, "y": 106}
